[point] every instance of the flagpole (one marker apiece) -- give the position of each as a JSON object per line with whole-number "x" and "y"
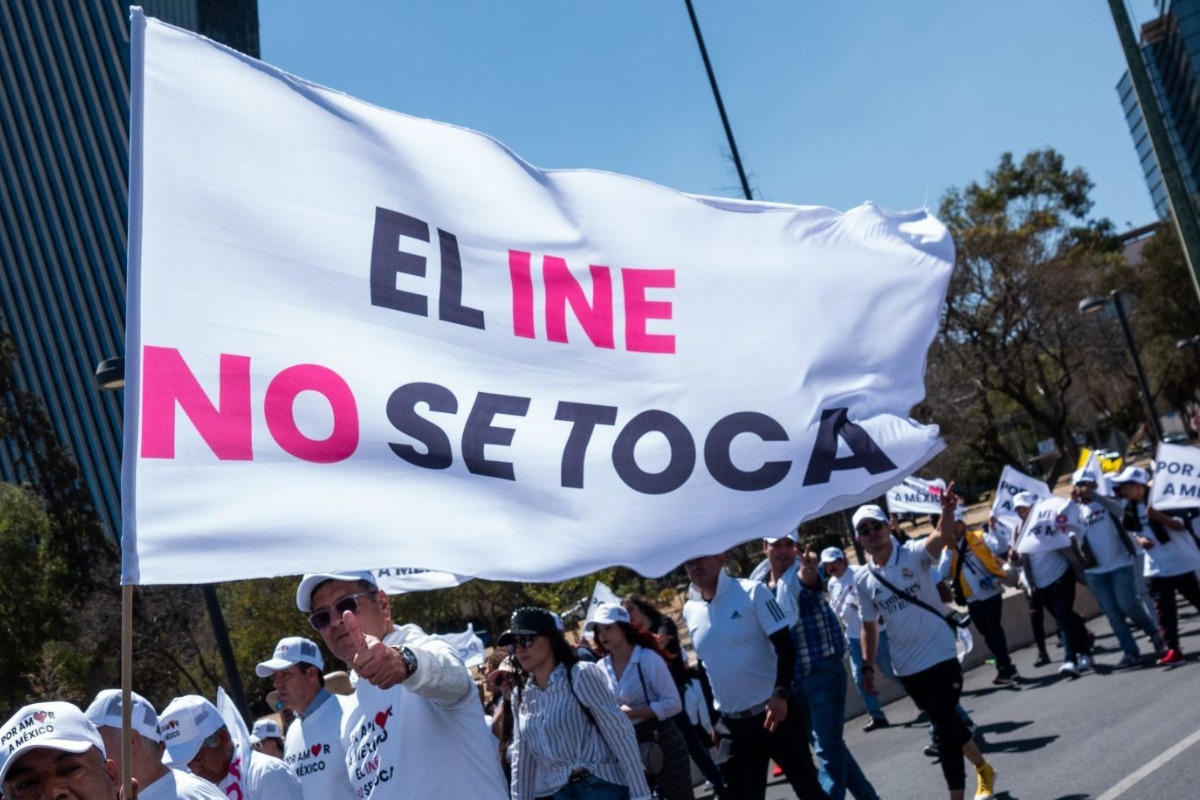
{"x": 127, "y": 691}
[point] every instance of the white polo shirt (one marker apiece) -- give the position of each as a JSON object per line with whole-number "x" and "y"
{"x": 313, "y": 749}
{"x": 918, "y": 638}
{"x": 180, "y": 785}
{"x": 731, "y": 635}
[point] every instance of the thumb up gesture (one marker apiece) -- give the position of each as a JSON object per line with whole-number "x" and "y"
{"x": 379, "y": 664}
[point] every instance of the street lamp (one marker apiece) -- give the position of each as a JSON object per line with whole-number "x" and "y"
{"x": 110, "y": 376}
{"x": 1089, "y": 305}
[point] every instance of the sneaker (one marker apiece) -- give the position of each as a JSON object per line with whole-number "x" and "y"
{"x": 1042, "y": 660}
{"x": 777, "y": 771}
{"x": 1128, "y": 660}
{"x": 1003, "y": 679}
{"x": 875, "y": 724}
{"x": 1068, "y": 668}
{"x": 1084, "y": 662}
{"x": 932, "y": 751}
{"x": 1173, "y": 656}
{"x": 987, "y": 782}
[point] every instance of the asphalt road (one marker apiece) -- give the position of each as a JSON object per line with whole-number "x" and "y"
{"x": 1130, "y": 735}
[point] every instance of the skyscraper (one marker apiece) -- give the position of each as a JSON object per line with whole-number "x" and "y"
{"x": 64, "y": 157}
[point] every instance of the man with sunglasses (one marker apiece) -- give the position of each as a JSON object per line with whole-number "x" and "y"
{"x": 417, "y": 730}
{"x": 898, "y": 585}
{"x": 313, "y": 746}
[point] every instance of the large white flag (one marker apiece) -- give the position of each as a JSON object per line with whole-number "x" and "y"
{"x": 399, "y": 580}
{"x": 1050, "y": 525}
{"x": 467, "y": 644}
{"x": 916, "y": 496}
{"x": 359, "y": 338}
{"x": 1176, "y": 477}
{"x": 1012, "y": 483}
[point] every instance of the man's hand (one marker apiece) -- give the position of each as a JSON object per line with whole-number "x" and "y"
{"x": 379, "y": 664}
{"x": 1147, "y": 544}
{"x": 776, "y": 713}
{"x": 868, "y": 680}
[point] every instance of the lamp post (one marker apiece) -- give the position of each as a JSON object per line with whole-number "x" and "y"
{"x": 110, "y": 376}
{"x": 1089, "y": 305}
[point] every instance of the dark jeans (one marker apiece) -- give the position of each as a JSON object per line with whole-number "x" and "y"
{"x": 1059, "y": 599}
{"x": 590, "y": 788}
{"x": 753, "y": 746}
{"x": 987, "y": 615}
{"x": 1163, "y": 591}
{"x": 699, "y": 752}
{"x": 936, "y": 692}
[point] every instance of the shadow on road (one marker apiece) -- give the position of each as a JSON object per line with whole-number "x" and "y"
{"x": 1017, "y": 745}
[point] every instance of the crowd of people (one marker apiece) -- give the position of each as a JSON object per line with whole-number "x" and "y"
{"x": 621, "y": 713}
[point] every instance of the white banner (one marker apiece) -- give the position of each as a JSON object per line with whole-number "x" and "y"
{"x": 1012, "y": 483}
{"x": 916, "y": 496}
{"x": 399, "y": 580}
{"x": 1176, "y": 477}
{"x": 356, "y": 337}
{"x": 601, "y": 595}
{"x": 467, "y": 644}
{"x": 1103, "y": 487}
{"x": 1050, "y": 525}
{"x": 239, "y": 767}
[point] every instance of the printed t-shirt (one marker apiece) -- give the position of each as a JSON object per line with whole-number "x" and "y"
{"x": 1178, "y": 556}
{"x": 268, "y": 778}
{"x": 1099, "y": 532}
{"x": 313, "y": 749}
{"x": 843, "y": 599}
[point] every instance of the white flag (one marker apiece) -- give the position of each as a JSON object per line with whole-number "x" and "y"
{"x": 1176, "y": 477}
{"x": 399, "y": 580}
{"x": 916, "y": 496}
{"x": 1049, "y": 526}
{"x": 467, "y": 644}
{"x": 1091, "y": 464}
{"x": 239, "y": 767}
{"x": 601, "y": 595}
{"x": 358, "y": 338}
{"x": 1012, "y": 483}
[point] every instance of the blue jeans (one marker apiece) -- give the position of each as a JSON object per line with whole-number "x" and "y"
{"x": 824, "y": 690}
{"x": 883, "y": 666}
{"x": 1116, "y": 592}
{"x": 592, "y": 788}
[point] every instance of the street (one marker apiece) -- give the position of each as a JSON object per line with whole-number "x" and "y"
{"x": 1133, "y": 735}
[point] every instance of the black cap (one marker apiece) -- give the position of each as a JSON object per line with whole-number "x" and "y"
{"x": 528, "y": 622}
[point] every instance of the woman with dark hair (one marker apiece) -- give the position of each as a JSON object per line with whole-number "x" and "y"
{"x": 639, "y": 677}
{"x": 570, "y": 740}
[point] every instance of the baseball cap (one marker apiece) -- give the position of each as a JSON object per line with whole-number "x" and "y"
{"x": 1132, "y": 475}
{"x": 106, "y": 710}
{"x": 607, "y": 614}
{"x": 291, "y": 651}
{"x": 265, "y": 729}
{"x": 868, "y": 512}
{"x": 1083, "y": 475}
{"x": 185, "y": 723}
{"x": 309, "y": 584}
{"x": 52, "y": 724}
{"x": 832, "y": 554}
{"x": 528, "y": 622}
{"x": 1025, "y": 500}
{"x": 795, "y": 537}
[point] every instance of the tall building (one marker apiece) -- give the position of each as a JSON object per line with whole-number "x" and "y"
{"x": 64, "y": 160}
{"x": 1170, "y": 46}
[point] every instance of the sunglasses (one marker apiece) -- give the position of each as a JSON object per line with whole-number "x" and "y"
{"x": 524, "y": 641}
{"x": 868, "y": 527}
{"x": 321, "y": 618}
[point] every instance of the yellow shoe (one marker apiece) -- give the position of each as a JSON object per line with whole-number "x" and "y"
{"x": 987, "y": 782}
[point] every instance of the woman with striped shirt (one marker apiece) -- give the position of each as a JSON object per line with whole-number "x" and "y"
{"x": 571, "y": 741}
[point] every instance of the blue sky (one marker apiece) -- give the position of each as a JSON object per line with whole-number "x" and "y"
{"x": 833, "y": 102}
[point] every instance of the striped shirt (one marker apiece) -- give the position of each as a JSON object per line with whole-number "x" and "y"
{"x": 553, "y": 737}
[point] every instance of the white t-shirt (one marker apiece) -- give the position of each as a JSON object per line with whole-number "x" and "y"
{"x": 180, "y": 785}
{"x": 984, "y": 584}
{"x": 731, "y": 635}
{"x": 1099, "y": 531}
{"x": 663, "y": 700}
{"x": 843, "y": 599}
{"x": 267, "y": 779}
{"x": 918, "y": 639}
{"x": 313, "y": 749}
{"x": 425, "y": 739}
{"x": 1178, "y": 556}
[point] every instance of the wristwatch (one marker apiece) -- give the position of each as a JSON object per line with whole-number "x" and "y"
{"x": 409, "y": 658}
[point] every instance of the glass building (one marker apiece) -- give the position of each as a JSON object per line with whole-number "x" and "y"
{"x": 64, "y": 159}
{"x": 1170, "y": 46}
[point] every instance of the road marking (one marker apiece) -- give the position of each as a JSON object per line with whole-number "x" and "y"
{"x": 1134, "y": 778}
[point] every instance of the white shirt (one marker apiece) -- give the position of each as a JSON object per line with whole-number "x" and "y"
{"x": 918, "y": 639}
{"x": 268, "y": 778}
{"x": 553, "y": 736}
{"x": 731, "y": 635}
{"x": 425, "y": 739}
{"x": 313, "y": 749}
{"x": 984, "y": 584}
{"x": 1099, "y": 531}
{"x": 843, "y": 599}
{"x": 1178, "y": 556}
{"x": 180, "y": 785}
{"x": 663, "y": 700}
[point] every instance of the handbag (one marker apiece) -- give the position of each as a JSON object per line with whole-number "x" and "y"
{"x": 654, "y": 758}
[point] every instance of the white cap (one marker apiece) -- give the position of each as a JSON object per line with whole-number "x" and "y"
{"x": 1025, "y": 500}
{"x": 607, "y": 614}
{"x": 1083, "y": 475}
{"x": 289, "y": 652}
{"x": 265, "y": 729}
{"x": 795, "y": 537}
{"x": 868, "y": 512}
{"x": 832, "y": 554}
{"x": 54, "y": 725}
{"x": 185, "y": 723}
{"x": 105, "y": 710}
{"x": 960, "y": 514}
{"x": 1132, "y": 475}
{"x": 309, "y": 583}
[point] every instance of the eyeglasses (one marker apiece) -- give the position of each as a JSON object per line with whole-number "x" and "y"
{"x": 868, "y": 527}
{"x": 524, "y": 641}
{"x": 321, "y": 618}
